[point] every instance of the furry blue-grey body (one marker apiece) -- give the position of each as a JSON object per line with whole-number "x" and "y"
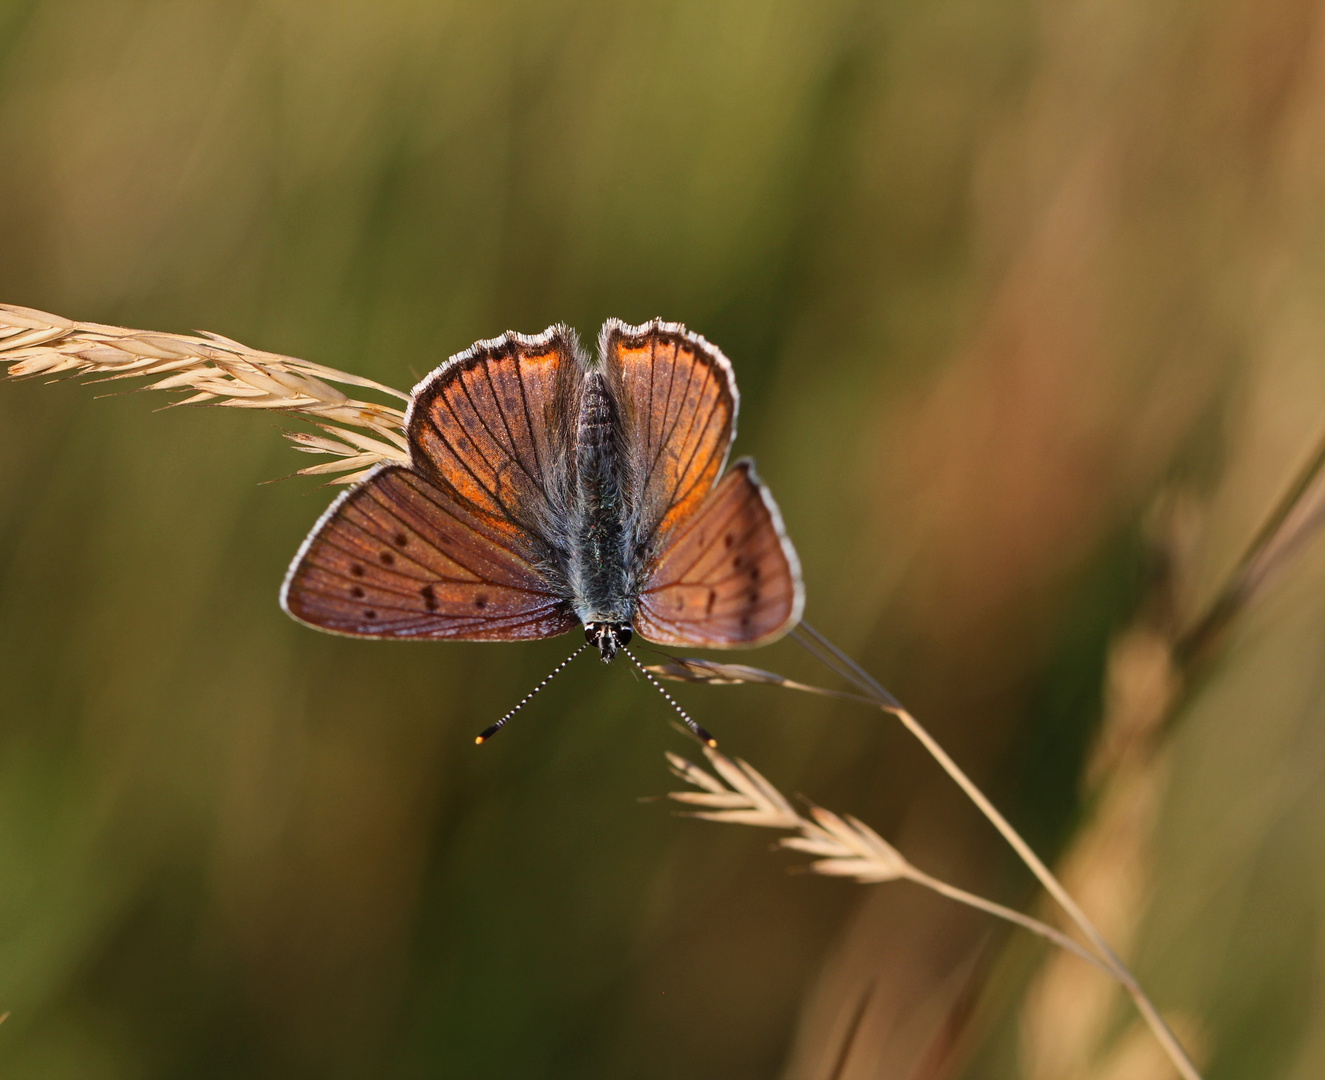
{"x": 575, "y": 461}
{"x": 603, "y": 562}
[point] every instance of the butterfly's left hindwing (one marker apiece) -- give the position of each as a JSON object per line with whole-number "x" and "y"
{"x": 398, "y": 557}
{"x": 729, "y": 578}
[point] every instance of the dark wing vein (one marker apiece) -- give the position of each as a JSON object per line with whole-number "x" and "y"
{"x": 483, "y": 422}
{"x": 664, "y": 436}
{"x": 681, "y": 475}
{"x": 677, "y": 543}
{"x": 528, "y": 420}
{"x": 685, "y": 394}
{"x": 395, "y": 506}
{"x": 465, "y": 464}
{"x": 537, "y": 481}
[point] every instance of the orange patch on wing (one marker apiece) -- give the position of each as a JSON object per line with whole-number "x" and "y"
{"x": 682, "y": 408}
{"x": 483, "y": 428}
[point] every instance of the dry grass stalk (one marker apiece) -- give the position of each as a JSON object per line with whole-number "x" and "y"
{"x": 1296, "y": 519}
{"x": 738, "y": 794}
{"x": 1066, "y": 1020}
{"x": 1067, "y": 1029}
{"x": 823, "y": 650}
{"x": 212, "y": 370}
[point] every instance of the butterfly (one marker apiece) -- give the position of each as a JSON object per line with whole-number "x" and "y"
{"x": 548, "y": 490}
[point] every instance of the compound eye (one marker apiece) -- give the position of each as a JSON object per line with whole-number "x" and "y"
{"x": 591, "y": 634}
{"x": 624, "y": 634}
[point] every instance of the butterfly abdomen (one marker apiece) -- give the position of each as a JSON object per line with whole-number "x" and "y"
{"x": 599, "y": 569}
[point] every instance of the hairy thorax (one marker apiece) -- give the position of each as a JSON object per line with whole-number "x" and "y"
{"x": 600, "y": 569}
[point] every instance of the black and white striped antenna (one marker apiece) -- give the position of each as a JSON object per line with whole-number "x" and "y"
{"x": 699, "y": 733}
{"x": 489, "y": 732}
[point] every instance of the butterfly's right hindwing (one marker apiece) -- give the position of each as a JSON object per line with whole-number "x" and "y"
{"x": 399, "y": 557}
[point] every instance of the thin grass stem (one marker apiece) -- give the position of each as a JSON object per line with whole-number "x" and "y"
{"x": 818, "y": 645}
{"x": 1027, "y": 922}
{"x": 690, "y": 669}
{"x": 843, "y": 846}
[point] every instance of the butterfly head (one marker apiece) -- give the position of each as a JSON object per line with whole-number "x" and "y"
{"x": 608, "y": 638}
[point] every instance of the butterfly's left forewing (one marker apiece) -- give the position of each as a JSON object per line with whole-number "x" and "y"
{"x": 679, "y": 399}
{"x": 399, "y": 557}
{"x": 729, "y": 576}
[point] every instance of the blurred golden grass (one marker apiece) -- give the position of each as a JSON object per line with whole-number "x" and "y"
{"x": 993, "y": 275}
{"x": 852, "y": 849}
{"x": 1068, "y": 1022}
{"x": 217, "y": 371}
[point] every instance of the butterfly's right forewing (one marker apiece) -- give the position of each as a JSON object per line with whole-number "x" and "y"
{"x": 494, "y": 427}
{"x": 399, "y": 557}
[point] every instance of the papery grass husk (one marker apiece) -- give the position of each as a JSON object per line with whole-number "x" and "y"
{"x": 736, "y": 793}
{"x": 1296, "y": 518}
{"x": 207, "y": 369}
{"x": 1100, "y": 952}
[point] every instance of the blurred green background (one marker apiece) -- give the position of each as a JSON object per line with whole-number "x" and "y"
{"x": 1025, "y": 303}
